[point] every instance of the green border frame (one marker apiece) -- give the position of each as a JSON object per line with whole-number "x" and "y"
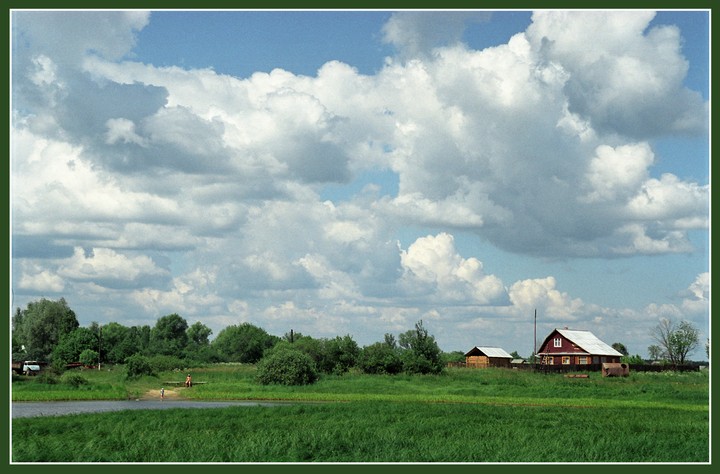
{"x": 323, "y": 5}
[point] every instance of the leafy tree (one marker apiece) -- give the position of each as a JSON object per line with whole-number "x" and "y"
{"x": 40, "y": 326}
{"x": 169, "y": 336}
{"x": 338, "y": 355}
{"x": 515, "y": 355}
{"x": 420, "y": 353}
{"x": 380, "y": 358}
{"x": 116, "y": 343}
{"x": 676, "y": 339}
{"x": 198, "y": 334}
{"x": 620, "y": 347}
{"x": 454, "y": 356}
{"x": 244, "y": 343}
{"x": 88, "y": 357}
{"x": 72, "y": 344}
{"x": 286, "y": 366}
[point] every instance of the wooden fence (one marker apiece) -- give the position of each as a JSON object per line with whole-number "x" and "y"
{"x": 566, "y": 368}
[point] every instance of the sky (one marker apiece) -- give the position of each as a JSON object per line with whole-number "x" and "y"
{"x": 356, "y": 172}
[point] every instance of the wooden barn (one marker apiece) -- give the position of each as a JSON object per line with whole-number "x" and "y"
{"x": 574, "y": 347}
{"x": 482, "y": 357}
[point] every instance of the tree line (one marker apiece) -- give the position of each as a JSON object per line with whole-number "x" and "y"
{"x": 49, "y": 331}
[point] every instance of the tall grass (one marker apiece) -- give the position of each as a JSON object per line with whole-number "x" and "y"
{"x": 463, "y": 415}
{"x": 368, "y": 432}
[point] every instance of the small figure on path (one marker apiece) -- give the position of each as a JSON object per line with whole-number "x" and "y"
{"x": 188, "y": 381}
{"x": 162, "y": 393}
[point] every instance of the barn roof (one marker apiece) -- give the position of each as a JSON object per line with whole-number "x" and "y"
{"x": 490, "y": 352}
{"x": 588, "y": 342}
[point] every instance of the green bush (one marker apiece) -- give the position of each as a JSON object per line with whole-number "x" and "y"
{"x": 286, "y": 366}
{"x": 166, "y": 363}
{"x": 46, "y": 378}
{"x": 74, "y": 380}
{"x": 137, "y": 366}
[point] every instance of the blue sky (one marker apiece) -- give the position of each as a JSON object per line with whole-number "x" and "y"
{"x": 346, "y": 172}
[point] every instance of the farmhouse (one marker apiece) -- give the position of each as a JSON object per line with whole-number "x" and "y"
{"x": 574, "y": 347}
{"x": 482, "y": 357}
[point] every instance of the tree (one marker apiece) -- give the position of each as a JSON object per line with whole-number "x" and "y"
{"x": 515, "y": 355}
{"x": 676, "y": 339}
{"x": 198, "y": 334}
{"x": 40, "y": 326}
{"x": 338, "y": 355}
{"x": 420, "y": 353}
{"x": 620, "y": 347}
{"x": 169, "y": 336}
{"x": 380, "y": 358}
{"x": 73, "y": 344}
{"x": 656, "y": 352}
{"x": 244, "y": 343}
{"x": 88, "y": 357}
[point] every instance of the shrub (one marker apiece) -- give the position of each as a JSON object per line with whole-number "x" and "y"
{"x": 165, "y": 363}
{"x": 46, "y": 378}
{"x": 137, "y": 366}
{"x": 286, "y": 366}
{"x": 74, "y": 380}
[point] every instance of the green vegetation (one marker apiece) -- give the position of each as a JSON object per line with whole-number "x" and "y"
{"x": 461, "y": 415}
{"x": 287, "y": 366}
{"x": 369, "y": 432}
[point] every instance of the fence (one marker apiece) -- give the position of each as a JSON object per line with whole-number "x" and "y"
{"x": 561, "y": 369}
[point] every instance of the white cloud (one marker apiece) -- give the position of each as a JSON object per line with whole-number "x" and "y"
{"x": 109, "y": 268}
{"x": 614, "y": 173}
{"x": 37, "y": 279}
{"x": 623, "y": 78}
{"x": 432, "y": 262}
{"x": 541, "y": 294}
{"x": 205, "y": 194}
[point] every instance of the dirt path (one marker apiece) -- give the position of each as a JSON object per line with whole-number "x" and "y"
{"x": 169, "y": 394}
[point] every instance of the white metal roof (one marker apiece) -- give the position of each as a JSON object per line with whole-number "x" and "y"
{"x": 588, "y": 342}
{"x": 494, "y": 352}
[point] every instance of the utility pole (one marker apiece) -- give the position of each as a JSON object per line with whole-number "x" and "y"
{"x": 535, "y": 339}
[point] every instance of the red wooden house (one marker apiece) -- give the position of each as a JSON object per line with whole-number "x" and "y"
{"x": 573, "y": 347}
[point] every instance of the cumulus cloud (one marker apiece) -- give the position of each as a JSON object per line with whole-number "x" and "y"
{"x": 432, "y": 264}
{"x": 542, "y": 146}
{"x": 415, "y": 33}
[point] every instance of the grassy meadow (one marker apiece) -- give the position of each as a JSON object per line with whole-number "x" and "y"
{"x": 463, "y": 415}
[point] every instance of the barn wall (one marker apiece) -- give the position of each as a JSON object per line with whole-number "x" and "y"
{"x": 500, "y": 362}
{"x": 485, "y": 361}
{"x": 477, "y": 361}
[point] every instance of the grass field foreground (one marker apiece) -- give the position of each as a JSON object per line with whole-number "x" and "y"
{"x": 464, "y": 415}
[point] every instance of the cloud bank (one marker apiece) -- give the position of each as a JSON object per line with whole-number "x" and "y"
{"x": 164, "y": 189}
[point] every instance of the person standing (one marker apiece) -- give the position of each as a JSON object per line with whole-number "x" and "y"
{"x": 188, "y": 381}
{"x": 162, "y": 393}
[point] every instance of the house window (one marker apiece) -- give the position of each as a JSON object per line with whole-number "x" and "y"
{"x": 557, "y": 342}
{"x": 549, "y": 360}
{"x": 566, "y": 360}
{"x": 583, "y": 360}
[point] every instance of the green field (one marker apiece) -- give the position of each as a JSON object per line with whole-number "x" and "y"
{"x": 464, "y": 415}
